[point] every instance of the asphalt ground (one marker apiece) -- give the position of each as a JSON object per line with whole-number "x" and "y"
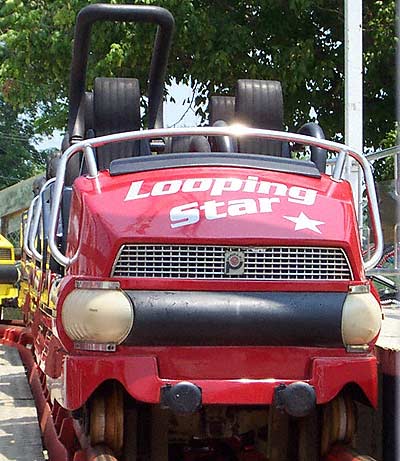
{"x": 20, "y": 438}
{"x": 389, "y": 337}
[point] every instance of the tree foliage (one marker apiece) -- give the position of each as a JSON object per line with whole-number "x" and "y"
{"x": 19, "y": 159}
{"x": 384, "y": 168}
{"x": 299, "y": 42}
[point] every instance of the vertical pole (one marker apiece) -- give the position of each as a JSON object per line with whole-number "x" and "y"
{"x": 397, "y": 158}
{"x": 396, "y": 423}
{"x": 354, "y": 92}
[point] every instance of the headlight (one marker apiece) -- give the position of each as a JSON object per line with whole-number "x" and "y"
{"x": 361, "y": 318}
{"x": 97, "y": 316}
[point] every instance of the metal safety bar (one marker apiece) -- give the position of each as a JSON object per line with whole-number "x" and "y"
{"x": 234, "y": 131}
{"x": 27, "y": 229}
{"x": 377, "y": 155}
{"x": 395, "y": 270}
{"x": 390, "y": 152}
{"x": 164, "y": 21}
{"x": 32, "y": 222}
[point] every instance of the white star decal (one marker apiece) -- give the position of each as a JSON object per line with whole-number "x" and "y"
{"x": 304, "y": 222}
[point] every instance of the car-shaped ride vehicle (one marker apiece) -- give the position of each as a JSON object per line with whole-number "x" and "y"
{"x": 202, "y": 293}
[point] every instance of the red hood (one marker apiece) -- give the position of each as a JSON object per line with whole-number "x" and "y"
{"x": 217, "y": 205}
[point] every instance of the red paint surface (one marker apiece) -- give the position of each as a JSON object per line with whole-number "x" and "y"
{"x": 101, "y": 220}
{"x": 140, "y": 377}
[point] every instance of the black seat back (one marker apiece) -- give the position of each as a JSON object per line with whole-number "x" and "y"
{"x": 257, "y": 104}
{"x": 116, "y": 109}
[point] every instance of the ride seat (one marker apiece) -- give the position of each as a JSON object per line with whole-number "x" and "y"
{"x": 257, "y": 104}
{"x": 113, "y": 107}
{"x": 182, "y": 144}
{"x": 116, "y": 109}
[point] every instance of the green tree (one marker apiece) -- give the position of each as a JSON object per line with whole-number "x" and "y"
{"x": 19, "y": 159}
{"x": 299, "y": 42}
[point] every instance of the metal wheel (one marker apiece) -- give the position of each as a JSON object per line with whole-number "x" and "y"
{"x": 100, "y": 453}
{"x": 107, "y": 417}
{"x": 338, "y": 422}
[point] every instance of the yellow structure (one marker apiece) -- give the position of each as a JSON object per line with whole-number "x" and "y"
{"x": 8, "y": 274}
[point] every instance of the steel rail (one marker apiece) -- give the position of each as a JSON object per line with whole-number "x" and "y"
{"x": 235, "y": 131}
{"x": 28, "y": 226}
{"x": 391, "y": 151}
{"x": 35, "y": 220}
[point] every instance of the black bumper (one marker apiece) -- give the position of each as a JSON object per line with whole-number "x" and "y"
{"x": 185, "y": 318}
{"x": 8, "y": 273}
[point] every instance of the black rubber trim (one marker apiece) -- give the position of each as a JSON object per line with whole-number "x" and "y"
{"x": 187, "y": 318}
{"x": 8, "y": 273}
{"x": 227, "y": 159}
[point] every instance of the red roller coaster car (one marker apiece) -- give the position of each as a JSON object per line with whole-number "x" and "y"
{"x": 197, "y": 293}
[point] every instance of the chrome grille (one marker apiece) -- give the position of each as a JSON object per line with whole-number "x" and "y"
{"x": 208, "y": 262}
{"x": 5, "y": 253}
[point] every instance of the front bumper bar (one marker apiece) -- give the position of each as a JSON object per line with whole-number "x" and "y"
{"x": 139, "y": 376}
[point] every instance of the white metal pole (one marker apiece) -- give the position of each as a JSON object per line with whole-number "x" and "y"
{"x": 354, "y": 90}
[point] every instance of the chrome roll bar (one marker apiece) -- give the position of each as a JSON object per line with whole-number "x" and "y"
{"x": 27, "y": 229}
{"x": 235, "y": 131}
{"x": 33, "y": 221}
{"x": 389, "y": 152}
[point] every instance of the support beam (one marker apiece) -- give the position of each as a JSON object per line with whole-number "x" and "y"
{"x": 353, "y": 88}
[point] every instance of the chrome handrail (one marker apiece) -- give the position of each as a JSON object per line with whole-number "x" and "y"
{"x": 36, "y": 219}
{"x": 28, "y": 226}
{"x": 235, "y": 131}
{"x": 373, "y": 156}
{"x": 377, "y": 155}
{"x": 390, "y": 152}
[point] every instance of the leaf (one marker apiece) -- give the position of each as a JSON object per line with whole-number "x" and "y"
{"x": 299, "y": 42}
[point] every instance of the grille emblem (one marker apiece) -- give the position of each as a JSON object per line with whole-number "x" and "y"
{"x": 234, "y": 262}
